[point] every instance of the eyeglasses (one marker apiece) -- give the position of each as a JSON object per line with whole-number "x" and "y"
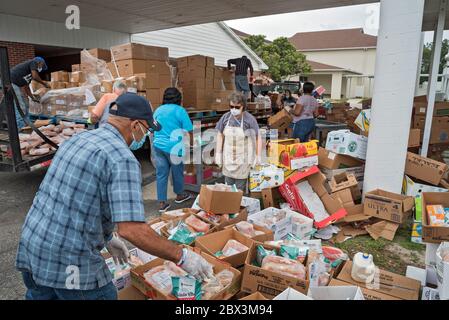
{"x": 234, "y": 107}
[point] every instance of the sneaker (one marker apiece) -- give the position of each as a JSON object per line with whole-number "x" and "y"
{"x": 183, "y": 198}
{"x": 163, "y": 208}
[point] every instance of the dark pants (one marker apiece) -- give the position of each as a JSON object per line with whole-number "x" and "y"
{"x": 303, "y": 129}
{"x": 37, "y": 292}
{"x": 164, "y": 164}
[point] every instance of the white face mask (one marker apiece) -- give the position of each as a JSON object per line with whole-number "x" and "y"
{"x": 39, "y": 69}
{"x": 236, "y": 112}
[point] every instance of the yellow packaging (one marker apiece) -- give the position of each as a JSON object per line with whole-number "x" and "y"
{"x": 293, "y": 155}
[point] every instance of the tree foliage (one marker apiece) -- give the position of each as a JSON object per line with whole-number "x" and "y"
{"x": 281, "y": 56}
{"x": 427, "y": 57}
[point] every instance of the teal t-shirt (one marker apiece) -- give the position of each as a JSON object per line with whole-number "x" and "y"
{"x": 175, "y": 122}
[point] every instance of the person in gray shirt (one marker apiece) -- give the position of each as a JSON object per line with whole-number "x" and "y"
{"x": 239, "y": 144}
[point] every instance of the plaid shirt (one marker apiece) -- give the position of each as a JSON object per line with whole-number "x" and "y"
{"x": 94, "y": 181}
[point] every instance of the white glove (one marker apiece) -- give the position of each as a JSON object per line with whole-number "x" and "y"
{"x": 257, "y": 161}
{"x": 118, "y": 250}
{"x": 219, "y": 159}
{"x": 196, "y": 265}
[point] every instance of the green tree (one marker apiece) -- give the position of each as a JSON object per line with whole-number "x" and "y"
{"x": 427, "y": 57}
{"x": 281, "y": 56}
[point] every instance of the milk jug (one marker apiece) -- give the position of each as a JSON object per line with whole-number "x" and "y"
{"x": 363, "y": 268}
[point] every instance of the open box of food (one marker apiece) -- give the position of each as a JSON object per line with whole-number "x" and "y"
{"x": 189, "y": 220}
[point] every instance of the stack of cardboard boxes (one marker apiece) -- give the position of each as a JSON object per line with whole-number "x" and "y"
{"x": 440, "y": 121}
{"x": 145, "y": 68}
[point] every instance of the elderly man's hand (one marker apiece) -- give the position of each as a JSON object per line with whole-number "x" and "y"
{"x": 196, "y": 265}
{"x": 118, "y": 250}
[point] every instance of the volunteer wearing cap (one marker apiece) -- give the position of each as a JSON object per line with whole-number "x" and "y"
{"x": 238, "y": 142}
{"x": 100, "y": 112}
{"x": 93, "y": 184}
{"x": 21, "y": 76}
{"x": 168, "y": 147}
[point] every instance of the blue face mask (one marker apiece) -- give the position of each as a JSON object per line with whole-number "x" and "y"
{"x": 135, "y": 145}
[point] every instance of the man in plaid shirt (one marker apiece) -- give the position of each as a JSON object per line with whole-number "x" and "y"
{"x": 93, "y": 183}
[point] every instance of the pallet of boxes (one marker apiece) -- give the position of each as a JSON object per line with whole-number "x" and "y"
{"x": 145, "y": 70}
{"x": 204, "y": 85}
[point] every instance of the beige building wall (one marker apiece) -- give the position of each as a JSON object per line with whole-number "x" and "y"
{"x": 359, "y": 60}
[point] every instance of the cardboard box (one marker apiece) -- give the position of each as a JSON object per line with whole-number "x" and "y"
{"x": 106, "y": 86}
{"x": 440, "y": 109}
{"x": 280, "y": 120}
{"x": 386, "y": 282}
{"x": 266, "y": 176}
{"x": 434, "y": 234}
{"x": 388, "y": 206}
{"x": 347, "y": 143}
{"x": 127, "y": 68}
{"x": 139, "y": 282}
{"x": 271, "y": 197}
{"x": 330, "y": 160}
{"x": 280, "y": 229}
{"x": 414, "y": 189}
{"x": 154, "y": 96}
{"x": 242, "y": 215}
{"x": 139, "y": 51}
{"x": 414, "y": 139}
{"x": 76, "y": 67}
{"x": 130, "y": 293}
{"x": 425, "y": 169}
{"x": 214, "y": 242}
{"x": 442, "y": 268}
{"x": 267, "y": 235}
{"x": 440, "y": 128}
{"x": 185, "y": 212}
{"x": 220, "y": 202}
{"x": 254, "y": 297}
{"x": 335, "y": 293}
{"x": 58, "y": 85}
{"x": 291, "y": 294}
{"x": 317, "y": 181}
{"x": 430, "y": 294}
{"x": 367, "y": 293}
{"x": 77, "y": 76}
{"x": 160, "y": 67}
{"x": 268, "y": 283}
{"x": 302, "y": 226}
{"x": 293, "y": 155}
{"x": 60, "y": 76}
{"x": 101, "y": 54}
{"x": 252, "y": 205}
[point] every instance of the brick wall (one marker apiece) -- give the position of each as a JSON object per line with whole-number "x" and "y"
{"x": 18, "y": 52}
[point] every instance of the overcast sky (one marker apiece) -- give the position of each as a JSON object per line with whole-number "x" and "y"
{"x": 286, "y": 25}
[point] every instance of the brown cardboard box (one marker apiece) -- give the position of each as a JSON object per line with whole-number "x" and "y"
{"x": 242, "y": 216}
{"x": 60, "y": 76}
{"x": 254, "y": 296}
{"x": 101, "y": 54}
{"x": 77, "y": 76}
{"x": 209, "y": 73}
{"x": 154, "y": 96}
{"x": 182, "y": 62}
{"x": 55, "y": 85}
{"x": 106, "y": 86}
{"x": 209, "y": 84}
{"x": 218, "y": 73}
{"x": 387, "y": 205}
{"x": 72, "y": 84}
{"x": 127, "y": 68}
{"x": 194, "y": 83}
{"x": 367, "y": 293}
{"x": 268, "y": 283}
{"x": 130, "y": 293}
{"x": 164, "y": 81}
{"x": 214, "y": 242}
{"x": 425, "y": 169}
{"x": 197, "y": 61}
{"x": 76, "y": 67}
{"x": 280, "y": 120}
{"x": 329, "y": 160}
{"x": 220, "y": 202}
{"x": 272, "y": 198}
{"x": 160, "y": 67}
{"x": 186, "y": 212}
{"x": 440, "y": 128}
{"x": 390, "y": 283}
{"x": 112, "y": 69}
{"x": 192, "y": 72}
{"x": 139, "y": 51}
{"x": 210, "y": 62}
{"x": 139, "y": 282}
{"x": 218, "y": 84}
{"x": 414, "y": 139}
{"x": 434, "y": 234}
{"x": 343, "y": 181}
{"x": 345, "y": 197}
{"x": 152, "y": 80}
{"x": 440, "y": 109}
{"x": 267, "y": 235}
{"x": 137, "y": 81}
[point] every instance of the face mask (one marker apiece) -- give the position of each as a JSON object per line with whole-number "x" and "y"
{"x": 135, "y": 145}
{"x": 39, "y": 69}
{"x": 236, "y": 112}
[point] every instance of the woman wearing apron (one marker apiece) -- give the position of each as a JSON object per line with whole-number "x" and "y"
{"x": 238, "y": 143}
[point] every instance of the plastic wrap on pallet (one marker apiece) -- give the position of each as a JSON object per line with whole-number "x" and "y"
{"x": 96, "y": 69}
{"x": 71, "y": 102}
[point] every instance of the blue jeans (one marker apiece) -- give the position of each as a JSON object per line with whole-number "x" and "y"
{"x": 23, "y": 102}
{"x": 303, "y": 128}
{"x": 164, "y": 163}
{"x": 242, "y": 85}
{"x": 37, "y": 292}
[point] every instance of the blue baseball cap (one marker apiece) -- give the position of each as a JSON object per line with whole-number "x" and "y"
{"x": 132, "y": 106}
{"x": 40, "y": 59}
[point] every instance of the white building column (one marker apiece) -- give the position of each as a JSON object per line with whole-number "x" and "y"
{"x": 394, "y": 87}
{"x": 421, "y": 53}
{"x": 433, "y": 78}
{"x": 337, "y": 83}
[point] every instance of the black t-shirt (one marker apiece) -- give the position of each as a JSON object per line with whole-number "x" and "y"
{"x": 291, "y": 101}
{"x": 21, "y": 73}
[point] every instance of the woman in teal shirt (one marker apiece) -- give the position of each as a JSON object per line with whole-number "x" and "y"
{"x": 169, "y": 148}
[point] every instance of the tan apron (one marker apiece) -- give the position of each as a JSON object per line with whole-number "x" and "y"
{"x": 238, "y": 152}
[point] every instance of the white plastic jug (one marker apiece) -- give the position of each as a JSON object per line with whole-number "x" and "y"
{"x": 363, "y": 268}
